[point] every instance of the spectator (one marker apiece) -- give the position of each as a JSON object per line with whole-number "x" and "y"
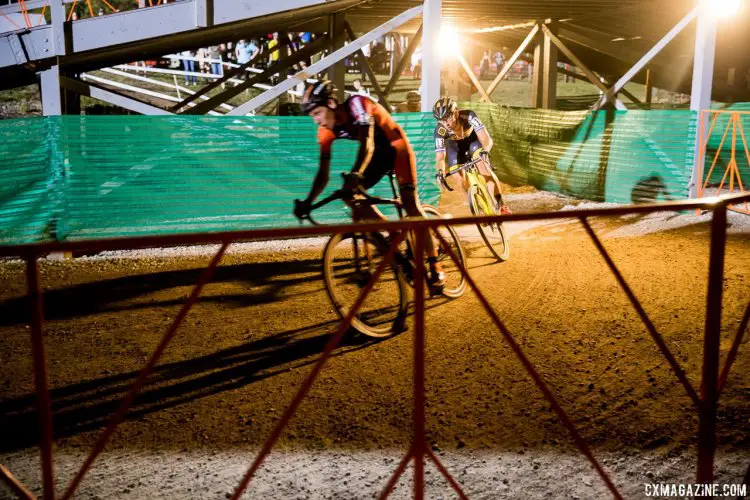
{"x": 202, "y": 57}
{"x": 246, "y": 51}
{"x": 416, "y": 61}
{"x": 188, "y": 65}
{"x": 214, "y": 55}
{"x": 499, "y": 61}
{"x": 413, "y": 103}
{"x": 273, "y": 43}
{"x": 230, "y": 54}
{"x": 484, "y": 66}
{"x": 360, "y": 89}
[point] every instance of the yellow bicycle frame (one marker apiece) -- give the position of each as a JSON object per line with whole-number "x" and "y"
{"x": 474, "y": 178}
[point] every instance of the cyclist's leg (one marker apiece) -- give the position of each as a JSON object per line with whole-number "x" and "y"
{"x": 380, "y": 164}
{"x": 454, "y": 156}
{"x": 485, "y": 169}
{"x": 405, "y": 168}
{"x": 363, "y": 212}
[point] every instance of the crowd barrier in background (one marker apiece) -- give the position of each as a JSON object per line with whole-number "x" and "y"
{"x": 83, "y": 177}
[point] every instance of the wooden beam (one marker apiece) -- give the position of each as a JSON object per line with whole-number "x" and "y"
{"x": 579, "y": 64}
{"x": 368, "y": 69}
{"x": 637, "y": 67}
{"x": 549, "y": 70}
{"x": 227, "y": 76}
{"x": 404, "y": 60}
{"x": 319, "y": 66}
{"x": 277, "y": 67}
{"x": 87, "y": 89}
{"x": 510, "y": 62}
{"x": 473, "y": 78}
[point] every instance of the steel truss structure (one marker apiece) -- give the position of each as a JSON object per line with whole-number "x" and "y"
{"x": 714, "y": 377}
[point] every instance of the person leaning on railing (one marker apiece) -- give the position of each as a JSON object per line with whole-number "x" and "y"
{"x": 460, "y": 134}
{"x": 383, "y": 147}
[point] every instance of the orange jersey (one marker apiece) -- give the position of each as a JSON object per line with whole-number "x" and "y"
{"x": 359, "y": 109}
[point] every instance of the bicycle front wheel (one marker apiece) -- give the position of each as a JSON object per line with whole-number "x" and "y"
{"x": 492, "y": 233}
{"x": 455, "y": 282}
{"x": 349, "y": 261}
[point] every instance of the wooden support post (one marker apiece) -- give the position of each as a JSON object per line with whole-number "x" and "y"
{"x": 510, "y": 62}
{"x": 368, "y": 69}
{"x": 337, "y": 71}
{"x": 537, "y": 80}
{"x": 549, "y": 69}
{"x": 406, "y": 59}
{"x": 472, "y": 77}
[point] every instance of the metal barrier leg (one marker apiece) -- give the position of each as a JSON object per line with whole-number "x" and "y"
{"x": 733, "y": 351}
{"x": 145, "y": 372}
{"x": 746, "y": 480}
{"x": 711, "y": 339}
{"x": 577, "y": 438}
{"x": 676, "y": 368}
{"x": 15, "y": 485}
{"x": 419, "y": 448}
{"x": 330, "y": 346}
{"x": 40, "y": 375}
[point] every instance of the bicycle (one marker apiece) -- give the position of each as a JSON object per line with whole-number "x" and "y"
{"x": 350, "y": 259}
{"x": 481, "y": 203}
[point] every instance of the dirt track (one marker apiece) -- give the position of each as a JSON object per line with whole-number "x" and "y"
{"x": 244, "y": 350}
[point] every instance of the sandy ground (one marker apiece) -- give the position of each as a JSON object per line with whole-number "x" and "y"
{"x": 244, "y": 350}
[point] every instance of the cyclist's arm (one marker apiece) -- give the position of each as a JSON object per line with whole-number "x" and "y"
{"x": 321, "y": 178}
{"x": 440, "y": 157}
{"x": 325, "y": 138}
{"x": 485, "y": 139}
{"x": 481, "y": 131}
{"x": 366, "y": 146}
{"x": 440, "y": 162}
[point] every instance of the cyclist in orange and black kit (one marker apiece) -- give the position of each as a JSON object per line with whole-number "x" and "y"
{"x": 459, "y": 135}
{"x": 383, "y": 147}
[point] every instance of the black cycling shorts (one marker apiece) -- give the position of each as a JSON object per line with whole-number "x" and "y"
{"x": 460, "y": 152}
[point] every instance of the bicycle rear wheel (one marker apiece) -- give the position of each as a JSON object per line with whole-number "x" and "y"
{"x": 492, "y": 233}
{"x": 455, "y": 282}
{"x": 349, "y": 261}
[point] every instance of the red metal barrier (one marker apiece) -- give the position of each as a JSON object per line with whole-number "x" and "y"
{"x": 711, "y": 386}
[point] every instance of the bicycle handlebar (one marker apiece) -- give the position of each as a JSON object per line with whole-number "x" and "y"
{"x": 351, "y": 177}
{"x": 442, "y": 178}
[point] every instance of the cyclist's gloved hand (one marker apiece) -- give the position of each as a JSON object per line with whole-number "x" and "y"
{"x": 301, "y": 208}
{"x": 486, "y": 157}
{"x": 442, "y": 181}
{"x": 353, "y": 181}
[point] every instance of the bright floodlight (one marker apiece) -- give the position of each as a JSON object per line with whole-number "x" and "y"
{"x": 726, "y": 8}
{"x": 448, "y": 41}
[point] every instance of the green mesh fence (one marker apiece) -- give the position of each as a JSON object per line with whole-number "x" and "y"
{"x": 615, "y": 156}
{"x": 91, "y": 177}
{"x": 105, "y": 176}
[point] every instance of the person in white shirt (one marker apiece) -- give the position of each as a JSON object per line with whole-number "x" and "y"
{"x": 360, "y": 89}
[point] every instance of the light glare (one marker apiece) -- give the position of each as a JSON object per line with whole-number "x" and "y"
{"x": 725, "y": 8}
{"x": 448, "y": 42}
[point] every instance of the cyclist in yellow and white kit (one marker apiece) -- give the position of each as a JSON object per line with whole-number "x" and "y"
{"x": 459, "y": 135}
